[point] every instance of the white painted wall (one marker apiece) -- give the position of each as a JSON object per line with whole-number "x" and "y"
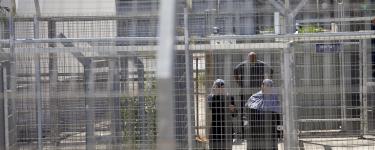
{"x": 67, "y": 7}
{"x": 71, "y": 29}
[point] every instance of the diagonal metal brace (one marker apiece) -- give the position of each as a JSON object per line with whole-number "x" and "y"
{"x": 279, "y": 6}
{"x": 80, "y": 57}
{"x": 284, "y": 11}
{"x": 298, "y": 8}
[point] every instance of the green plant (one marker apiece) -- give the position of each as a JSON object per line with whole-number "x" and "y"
{"x": 310, "y": 29}
{"x": 133, "y": 120}
{"x": 268, "y": 29}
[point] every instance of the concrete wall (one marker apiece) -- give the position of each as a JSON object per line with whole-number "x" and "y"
{"x": 67, "y": 7}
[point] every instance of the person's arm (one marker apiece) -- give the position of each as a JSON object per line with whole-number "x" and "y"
{"x": 255, "y": 101}
{"x": 232, "y": 100}
{"x": 237, "y": 73}
{"x": 248, "y": 102}
{"x": 209, "y": 101}
{"x": 232, "y": 107}
{"x": 276, "y": 103}
{"x": 268, "y": 71}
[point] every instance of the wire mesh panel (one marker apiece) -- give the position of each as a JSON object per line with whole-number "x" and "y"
{"x": 334, "y": 69}
{"x": 99, "y": 100}
{"x": 84, "y": 76}
{"x": 226, "y": 122}
{"x": 332, "y": 93}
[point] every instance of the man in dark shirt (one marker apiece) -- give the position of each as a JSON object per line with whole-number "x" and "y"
{"x": 249, "y": 75}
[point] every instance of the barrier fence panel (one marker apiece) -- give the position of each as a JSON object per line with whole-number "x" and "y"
{"x": 102, "y": 98}
{"x": 292, "y": 74}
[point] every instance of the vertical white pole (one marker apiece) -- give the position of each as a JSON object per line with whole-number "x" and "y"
{"x": 188, "y": 80}
{"x": 276, "y": 18}
{"x": 38, "y": 94}
{"x": 288, "y": 103}
{"x": 363, "y": 85}
{"x": 38, "y": 98}
{"x": 165, "y": 68}
{"x": 6, "y": 115}
{"x": 13, "y": 73}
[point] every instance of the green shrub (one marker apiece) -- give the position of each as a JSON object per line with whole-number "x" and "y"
{"x": 310, "y": 29}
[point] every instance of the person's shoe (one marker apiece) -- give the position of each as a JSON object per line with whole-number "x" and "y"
{"x": 235, "y": 141}
{"x": 238, "y": 141}
{"x": 245, "y": 122}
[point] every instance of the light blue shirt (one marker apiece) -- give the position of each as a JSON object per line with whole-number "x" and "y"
{"x": 264, "y": 102}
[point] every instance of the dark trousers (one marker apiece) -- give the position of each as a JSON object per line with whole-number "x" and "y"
{"x": 243, "y": 116}
{"x": 220, "y": 144}
{"x": 262, "y": 133}
{"x": 244, "y": 98}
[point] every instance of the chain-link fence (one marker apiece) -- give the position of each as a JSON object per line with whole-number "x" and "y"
{"x": 92, "y": 81}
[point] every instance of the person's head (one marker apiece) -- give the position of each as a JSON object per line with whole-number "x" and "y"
{"x": 267, "y": 86}
{"x": 252, "y": 57}
{"x": 218, "y": 86}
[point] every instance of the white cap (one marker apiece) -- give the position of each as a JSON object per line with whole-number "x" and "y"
{"x": 268, "y": 82}
{"x": 219, "y": 81}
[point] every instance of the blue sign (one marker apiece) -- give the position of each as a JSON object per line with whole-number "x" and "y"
{"x": 328, "y": 48}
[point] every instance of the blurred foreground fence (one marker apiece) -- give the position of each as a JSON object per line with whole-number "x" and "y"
{"x": 90, "y": 82}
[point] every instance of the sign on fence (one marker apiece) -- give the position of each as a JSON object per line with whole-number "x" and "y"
{"x": 328, "y": 48}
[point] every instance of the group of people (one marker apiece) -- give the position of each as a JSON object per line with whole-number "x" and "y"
{"x": 259, "y": 109}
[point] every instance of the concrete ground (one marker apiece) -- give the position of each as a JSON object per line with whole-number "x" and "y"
{"x": 341, "y": 143}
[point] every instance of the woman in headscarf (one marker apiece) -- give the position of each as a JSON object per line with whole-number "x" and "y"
{"x": 222, "y": 107}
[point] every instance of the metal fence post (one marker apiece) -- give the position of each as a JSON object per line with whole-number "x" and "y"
{"x": 6, "y": 109}
{"x": 89, "y": 81}
{"x": 117, "y": 105}
{"x": 53, "y": 97}
{"x": 141, "y": 97}
{"x": 38, "y": 92}
{"x": 3, "y": 107}
{"x": 165, "y": 66}
{"x": 288, "y": 103}
{"x": 188, "y": 80}
{"x": 53, "y": 85}
{"x": 114, "y": 89}
{"x": 363, "y": 86}
{"x": 38, "y": 99}
{"x": 13, "y": 79}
